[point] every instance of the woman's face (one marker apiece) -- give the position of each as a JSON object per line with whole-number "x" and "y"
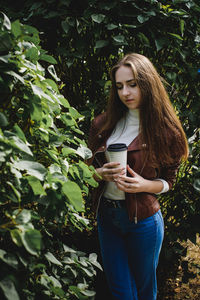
{"x": 128, "y": 91}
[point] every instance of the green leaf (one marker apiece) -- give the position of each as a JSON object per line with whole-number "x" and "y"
{"x": 75, "y": 290}
{"x": 36, "y": 109}
{"x": 51, "y": 258}
{"x": 177, "y": 36}
{"x": 48, "y": 58}
{"x": 22, "y": 216}
{"x": 68, "y": 249}
{"x": 93, "y": 260}
{"x": 36, "y": 185}
{"x": 8, "y": 289}
{"x": 52, "y": 155}
{"x": 16, "y": 28}
{"x": 65, "y": 26}
{"x": 32, "y": 54}
{"x": 142, "y": 18}
{"x": 58, "y": 291}
{"x": 52, "y": 84}
{"x": 5, "y": 58}
{"x": 6, "y": 42}
{"x": 143, "y": 39}
{"x": 52, "y": 71}
{"x": 67, "y": 151}
{"x": 74, "y": 195}
{"x": 32, "y": 168}
{"x": 2, "y": 156}
{"x": 87, "y": 174}
{"x": 84, "y": 152}
{"x": 19, "y": 144}
{"x": 171, "y": 75}
{"x": 98, "y": 18}
{"x": 38, "y": 92}
{"x": 16, "y": 192}
{"x": 32, "y": 241}
{"x": 182, "y": 25}
{"x": 32, "y": 34}
{"x": 119, "y": 39}
{"x": 196, "y": 184}
{"x": 75, "y": 114}
{"x": 15, "y": 75}
{"x": 160, "y": 43}
{"x": 111, "y": 26}
{"x": 3, "y": 120}
{"x": 8, "y": 258}
{"x": 108, "y": 5}
{"x": 20, "y": 133}
{"x": 6, "y": 21}
{"x": 101, "y": 44}
{"x": 16, "y": 237}
{"x": 88, "y": 293}
{"x": 88, "y": 272}
{"x": 63, "y": 101}
{"x": 68, "y": 120}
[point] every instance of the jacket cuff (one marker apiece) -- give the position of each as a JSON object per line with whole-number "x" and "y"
{"x": 165, "y": 186}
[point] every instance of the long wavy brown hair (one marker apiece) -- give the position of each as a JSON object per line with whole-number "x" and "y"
{"x": 160, "y": 127}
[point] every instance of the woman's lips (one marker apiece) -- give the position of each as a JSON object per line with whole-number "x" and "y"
{"x": 129, "y": 100}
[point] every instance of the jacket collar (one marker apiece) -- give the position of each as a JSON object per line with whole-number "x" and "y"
{"x": 134, "y": 145}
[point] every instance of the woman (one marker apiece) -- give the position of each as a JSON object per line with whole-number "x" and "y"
{"x": 131, "y": 228}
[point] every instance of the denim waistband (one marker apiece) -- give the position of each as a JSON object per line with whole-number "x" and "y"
{"x": 113, "y": 203}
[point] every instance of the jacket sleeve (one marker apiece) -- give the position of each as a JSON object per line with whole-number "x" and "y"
{"x": 92, "y": 134}
{"x": 93, "y": 140}
{"x": 169, "y": 173}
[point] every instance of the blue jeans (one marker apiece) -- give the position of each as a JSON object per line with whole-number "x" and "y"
{"x": 130, "y": 252}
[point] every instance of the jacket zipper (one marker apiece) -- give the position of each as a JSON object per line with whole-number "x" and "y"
{"x": 135, "y": 218}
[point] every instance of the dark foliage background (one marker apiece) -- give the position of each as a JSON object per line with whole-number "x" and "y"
{"x": 86, "y": 38}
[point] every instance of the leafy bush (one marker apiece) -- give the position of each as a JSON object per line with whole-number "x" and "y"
{"x": 44, "y": 180}
{"x": 88, "y": 36}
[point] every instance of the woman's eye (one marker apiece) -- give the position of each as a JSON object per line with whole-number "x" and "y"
{"x": 120, "y": 87}
{"x": 133, "y": 84}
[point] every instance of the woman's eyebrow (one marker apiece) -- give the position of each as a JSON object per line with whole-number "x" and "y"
{"x": 126, "y": 81}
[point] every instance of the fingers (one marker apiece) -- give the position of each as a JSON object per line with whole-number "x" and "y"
{"x": 126, "y": 187}
{"x": 131, "y": 172}
{"x": 111, "y": 173}
{"x": 111, "y": 165}
{"x": 124, "y": 178}
{"x": 114, "y": 171}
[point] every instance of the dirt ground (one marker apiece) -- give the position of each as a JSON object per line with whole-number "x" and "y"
{"x": 185, "y": 287}
{"x": 177, "y": 285}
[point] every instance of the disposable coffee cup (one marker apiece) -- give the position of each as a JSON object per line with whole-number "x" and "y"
{"x": 117, "y": 153}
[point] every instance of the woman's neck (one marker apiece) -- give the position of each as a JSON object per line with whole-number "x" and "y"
{"x": 133, "y": 116}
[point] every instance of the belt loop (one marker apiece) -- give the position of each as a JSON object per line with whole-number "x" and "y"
{"x": 113, "y": 203}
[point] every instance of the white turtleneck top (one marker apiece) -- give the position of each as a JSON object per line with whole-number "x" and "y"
{"x": 125, "y": 132}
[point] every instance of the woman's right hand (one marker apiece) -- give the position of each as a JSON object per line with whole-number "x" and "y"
{"x": 110, "y": 171}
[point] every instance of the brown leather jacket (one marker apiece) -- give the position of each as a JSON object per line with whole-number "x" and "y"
{"x": 139, "y": 205}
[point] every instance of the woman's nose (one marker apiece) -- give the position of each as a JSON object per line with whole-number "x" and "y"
{"x": 125, "y": 91}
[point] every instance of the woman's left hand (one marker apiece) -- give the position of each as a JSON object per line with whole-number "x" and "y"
{"x": 133, "y": 184}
